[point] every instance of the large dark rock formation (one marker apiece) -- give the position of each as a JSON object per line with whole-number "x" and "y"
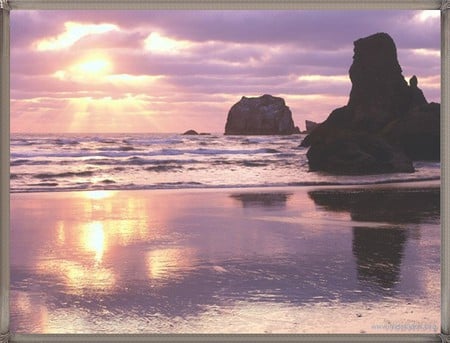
{"x": 347, "y": 152}
{"x": 264, "y": 115}
{"x": 385, "y": 125}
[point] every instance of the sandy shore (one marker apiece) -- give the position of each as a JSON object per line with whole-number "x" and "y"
{"x": 294, "y": 259}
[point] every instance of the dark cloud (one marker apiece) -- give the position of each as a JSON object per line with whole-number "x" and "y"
{"x": 324, "y": 30}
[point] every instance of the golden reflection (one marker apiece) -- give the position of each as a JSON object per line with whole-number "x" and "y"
{"x": 94, "y": 239}
{"x": 31, "y": 307}
{"x": 125, "y": 221}
{"x": 98, "y": 195}
{"x": 78, "y": 277}
{"x": 164, "y": 263}
{"x": 125, "y": 231}
{"x": 22, "y": 302}
{"x": 60, "y": 233}
{"x": 99, "y": 230}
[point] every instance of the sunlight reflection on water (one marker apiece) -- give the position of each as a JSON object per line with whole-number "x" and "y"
{"x": 258, "y": 260}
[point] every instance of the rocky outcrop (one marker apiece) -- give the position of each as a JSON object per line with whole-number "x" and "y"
{"x": 417, "y": 134}
{"x": 265, "y": 115}
{"x": 386, "y": 124}
{"x": 190, "y": 133}
{"x": 310, "y": 125}
{"x": 417, "y": 97}
{"x": 350, "y": 153}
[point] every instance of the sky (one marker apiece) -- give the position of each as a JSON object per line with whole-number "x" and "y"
{"x": 170, "y": 71}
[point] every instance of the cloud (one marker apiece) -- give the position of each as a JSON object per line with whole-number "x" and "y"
{"x": 158, "y": 44}
{"x": 73, "y": 33}
{"x": 324, "y": 78}
{"x": 428, "y": 15}
{"x": 181, "y": 66}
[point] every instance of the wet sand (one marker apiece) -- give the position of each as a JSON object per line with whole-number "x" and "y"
{"x": 278, "y": 260}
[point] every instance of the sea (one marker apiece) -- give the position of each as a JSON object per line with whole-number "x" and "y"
{"x": 72, "y": 162}
{"x": 167, "y": 233}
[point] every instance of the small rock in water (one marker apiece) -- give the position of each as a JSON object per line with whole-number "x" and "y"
{"x": 190, "y": 133}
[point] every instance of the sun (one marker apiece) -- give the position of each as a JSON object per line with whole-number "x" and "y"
{"x": 97, "y": 65}
{"x": 89, "y": 68}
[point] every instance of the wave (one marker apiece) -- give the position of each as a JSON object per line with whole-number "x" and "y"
{"x": 203, "y": 151}
{"x": 260, "y": 163}
{"x": 164, "y": 168}
{"x": 363, "y": 183}
{"x": 66, "y": 174}
{"x": 46, "y": 184}
{"x": 30, "y": 162}
{"x": 118, "y": 148}
{"x": 142, "y": 161}
{"x": 111, "y": 185}
{"x": 125, "y": 161}
{"x": 60, "y": 141}
{"x": 117, "y": 153}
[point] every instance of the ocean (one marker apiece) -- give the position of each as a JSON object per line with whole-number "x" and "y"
{"x": 69, "y": 162}
{"x": 166, "y": 233}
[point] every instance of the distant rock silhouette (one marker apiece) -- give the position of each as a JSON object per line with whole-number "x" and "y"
{"x": 385, "y": 125}
{"x": 190, "y": 133}
{"x": 264, "y": 115}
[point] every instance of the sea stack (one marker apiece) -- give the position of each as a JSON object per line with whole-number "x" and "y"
{"x": 386, "y": 124}
{"x": 264, "y": 115}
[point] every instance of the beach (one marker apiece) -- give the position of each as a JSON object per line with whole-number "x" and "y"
{"x": 225, "y": 172}
{"x": 310, "y": 259}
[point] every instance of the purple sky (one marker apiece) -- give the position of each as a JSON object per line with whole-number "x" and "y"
{"x": 169, "y": 71}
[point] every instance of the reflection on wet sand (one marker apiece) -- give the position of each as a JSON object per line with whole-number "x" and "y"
{"x": 391, "y": 205}
{"x": 75, "y": 277}
{"x": 93, "y": 239}
{"x": 379, "y": 251}
{"x": 166, "y": 255}
{"x": 271, "y": 199}
{"x": 379, "y": 254}
{"x": 169, "y": 263}
{"x": 85, "y": 232}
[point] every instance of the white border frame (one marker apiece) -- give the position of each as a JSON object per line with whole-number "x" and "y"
{"x": 5, "y": 8}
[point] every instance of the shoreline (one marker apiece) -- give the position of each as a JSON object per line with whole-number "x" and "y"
{"x": 425, "y": 183}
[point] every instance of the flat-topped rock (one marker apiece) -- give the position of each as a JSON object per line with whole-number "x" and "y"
{"x": 264, "y": 115}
